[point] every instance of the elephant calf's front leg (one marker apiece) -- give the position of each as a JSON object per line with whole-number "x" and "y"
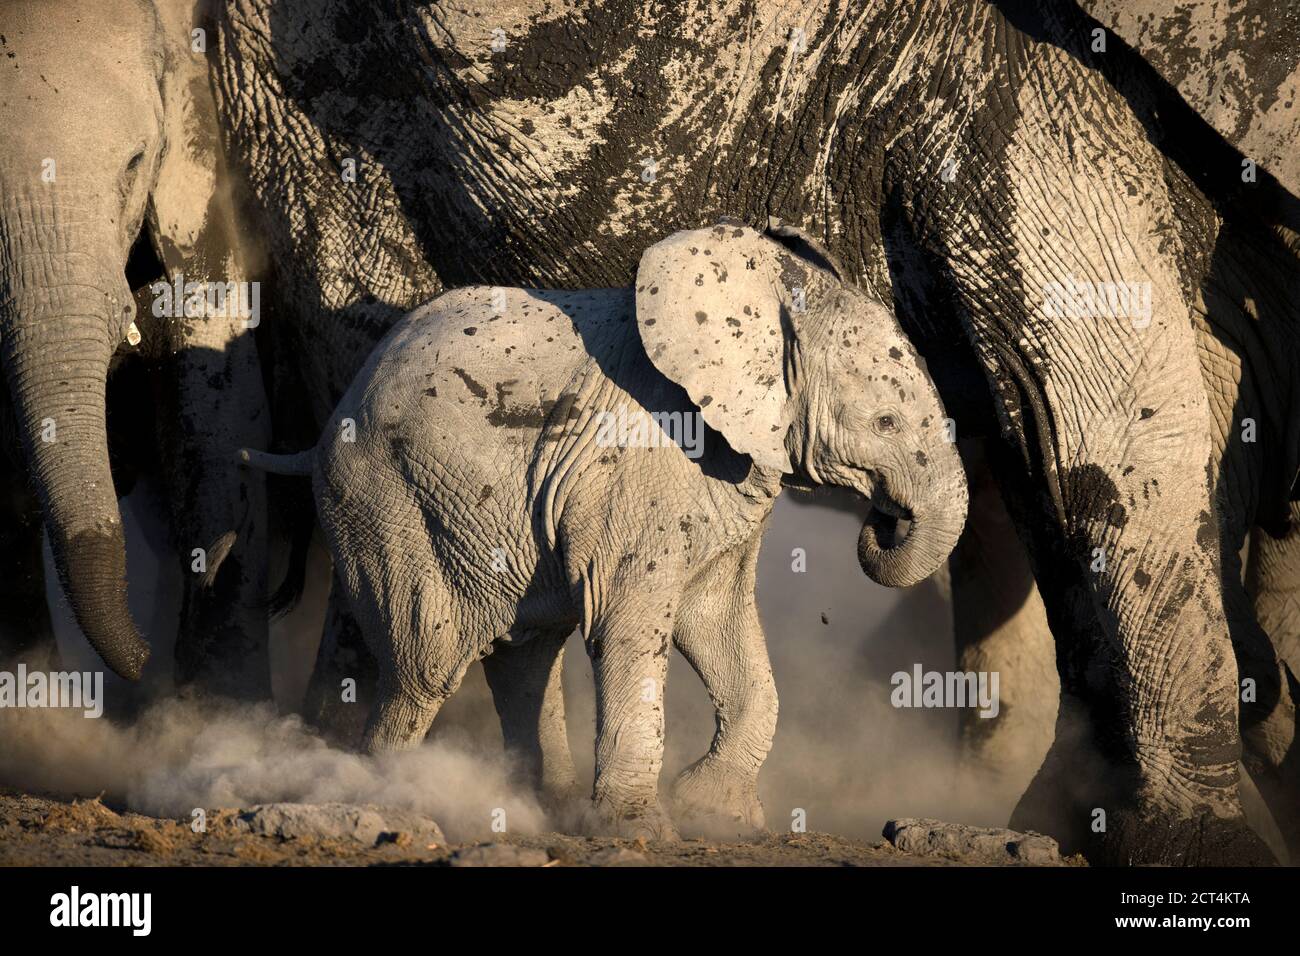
{"x": 720, "y": 634}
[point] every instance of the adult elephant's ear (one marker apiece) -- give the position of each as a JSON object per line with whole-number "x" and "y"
{"x": 713, "y": 306}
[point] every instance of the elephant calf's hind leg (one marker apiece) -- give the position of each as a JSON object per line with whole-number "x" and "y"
{"x": 409, "y": 622}
{"x": 527, "y": 689}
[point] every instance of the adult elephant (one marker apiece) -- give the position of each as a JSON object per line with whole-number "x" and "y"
{"x": 1238, "y": 66}
{"x": 110, "y": 177}
{"x": 1229, "y": 65}
{"x": 964, "y": 157}
{"x": 1248, "y": 357}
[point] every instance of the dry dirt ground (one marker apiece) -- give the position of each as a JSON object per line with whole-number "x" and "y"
{"x": 43, "y": 831}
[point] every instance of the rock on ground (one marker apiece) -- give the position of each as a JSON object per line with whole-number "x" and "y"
{"x": 366, "y": 824}
{"x": 499, "y": 854}
{"x": 617, "y": 856}
{"x": 935, "y": 838}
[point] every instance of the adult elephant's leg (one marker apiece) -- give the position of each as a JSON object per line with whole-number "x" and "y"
{"x": 1273, "y": 580}
{"x": 213, "y": 391}
{"x": 720, "y": 635}
{"x": 219, "y": 510}
{"x": 527, "y": 689}
{"x": 26, "y": 633}
{"x": 1105, "y": 397}
{"x": 1270, "y": 731}
{"x": 1137, "y": 772}
{"x": 343, "y": 682}
{"x": 1000, "y": 626}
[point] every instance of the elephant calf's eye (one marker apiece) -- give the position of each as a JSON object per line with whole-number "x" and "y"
{"x": 886, "y": 424}
{"x": 131, "y": 172}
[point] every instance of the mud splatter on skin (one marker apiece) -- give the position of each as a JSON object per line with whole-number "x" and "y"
{"x": 358, "y": 97}
{"x": 477, "y": 390}
{"x": 1207, "y": 533}
{"x": 1093, "y": 499}
{"x": 531, "y": 416}
{"x": 521, "y": 416}
{"x": 1232, "y": 62}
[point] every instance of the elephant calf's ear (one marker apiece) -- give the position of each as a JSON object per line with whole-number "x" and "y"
{"x": 708, "y": 305}
{"x": 802, "y": 243}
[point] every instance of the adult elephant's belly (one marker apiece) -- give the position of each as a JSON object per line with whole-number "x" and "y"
{"x": 522, "y": 143}
{"x": 609, "y": 129}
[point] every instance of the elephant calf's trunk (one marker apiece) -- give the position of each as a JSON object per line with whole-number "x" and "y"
{"x": 901, "y": 546}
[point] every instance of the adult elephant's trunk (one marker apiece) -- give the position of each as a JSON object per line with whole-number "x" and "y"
{"x": 903, "y": 543}
{"x": 57, "y": 334}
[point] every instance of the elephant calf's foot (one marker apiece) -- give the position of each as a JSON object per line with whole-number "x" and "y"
{"x": 634, "y": 819}
{"x": 718, "y": 801}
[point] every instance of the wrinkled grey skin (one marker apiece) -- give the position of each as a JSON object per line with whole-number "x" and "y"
{"x": 999, "y": 623}
{"x": 476, "y": 502}
{"x": 958, "y": 156}
{"x": 110, "y": 130}
{"x": 997, "y": 609}
{"x": 1236, "y": 64}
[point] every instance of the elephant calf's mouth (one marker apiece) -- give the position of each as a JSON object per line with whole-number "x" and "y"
{"x": 888, "y": 523}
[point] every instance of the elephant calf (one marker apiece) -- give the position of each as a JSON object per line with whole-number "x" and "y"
{"x": 499, "y": 473}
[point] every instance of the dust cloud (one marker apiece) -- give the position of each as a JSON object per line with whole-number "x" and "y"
{"x": 842, "y": 755}
{"x": 182, "y": 754}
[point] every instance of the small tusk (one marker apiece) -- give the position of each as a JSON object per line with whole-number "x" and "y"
{"x": 132, "y": 334}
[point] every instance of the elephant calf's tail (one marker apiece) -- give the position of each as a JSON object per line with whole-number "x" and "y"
{"x": 298, "y": 519}
{"x": 298, "y": 463}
